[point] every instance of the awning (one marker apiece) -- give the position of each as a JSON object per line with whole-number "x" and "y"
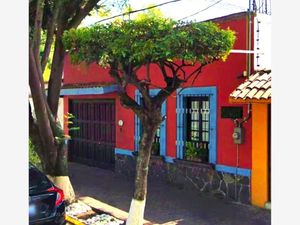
{"x": 88, "y": 89}
{"x": 256, "y": 89}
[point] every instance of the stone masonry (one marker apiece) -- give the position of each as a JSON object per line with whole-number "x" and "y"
{"x": 191, "y": 176}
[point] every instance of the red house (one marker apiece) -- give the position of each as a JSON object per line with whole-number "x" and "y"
{"x": 198, "y": 117}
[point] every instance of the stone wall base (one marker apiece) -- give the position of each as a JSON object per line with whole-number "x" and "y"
{"x": 191, "y": 176}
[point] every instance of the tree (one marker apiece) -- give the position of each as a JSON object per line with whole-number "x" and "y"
{"x": 126, "y": 46}
{"x": 49, "y": 19}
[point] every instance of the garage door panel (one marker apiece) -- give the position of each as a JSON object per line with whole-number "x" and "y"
{"x": 94, "y": 142}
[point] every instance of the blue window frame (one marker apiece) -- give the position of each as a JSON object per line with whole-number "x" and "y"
{"x": 182, "y": 95}
{"x": 162, "y": 130}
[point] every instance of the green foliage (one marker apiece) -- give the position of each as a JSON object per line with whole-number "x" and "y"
{"x": 33, "y": 156}
{"x": 192, "y": 152}
{"x": 155, "y": 148}
{"x": 70, "y": 124}
{"x": 149, "y": 38}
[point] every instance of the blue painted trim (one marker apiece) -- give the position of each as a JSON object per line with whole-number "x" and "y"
{"x": 163, "y": 131}
{"x": 137, "y": 123}
{"x": 137, "y": 132}
{"x": 197, "y": 91}
{"x": 90, "y": 91}
{"x": 233, "y": 170}
{"x": 123, "y": 152}
{"x": 169, "y": 159}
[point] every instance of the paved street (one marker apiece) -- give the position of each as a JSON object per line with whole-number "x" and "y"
{"x": 165, "y": 204}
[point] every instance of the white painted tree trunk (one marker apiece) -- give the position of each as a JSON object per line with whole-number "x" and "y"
{"x": 64, "y": 183}
{"x": 136, "y": 212}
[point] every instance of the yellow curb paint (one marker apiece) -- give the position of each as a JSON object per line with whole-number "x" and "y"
{"x": 73, "y": 221}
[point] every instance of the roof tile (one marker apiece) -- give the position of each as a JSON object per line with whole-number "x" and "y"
{"x": 253, "y": 84}
{"x": 257, "y": 86}
{"x": 259, "y": 94}
{"x": 260, "y": 84}
{"x": 251, "y": 93}
{"x": 267, "y": 85}
{"x": 244, "y": 93}
{"x": 235, "y": 93}
{"x": 243, "y": 85}
{"x": 267, "y": 94}
{"x": 253, "y": 76}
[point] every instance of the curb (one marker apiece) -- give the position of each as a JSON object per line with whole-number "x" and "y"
{"x": 101, "y": 206}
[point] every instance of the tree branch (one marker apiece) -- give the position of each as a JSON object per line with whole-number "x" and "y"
{"x": 36, "y": 41}
{"x": 198, "y": 70}
{"x": 40, "y": 109}
{"x": 37, "y": 28}
{"x": 81, "y": 14}
{"x": 163, "y": 94}
{"x": 164, "y": 72}
{"x": 141, "y": 85}
{"x": 50, "y": 34}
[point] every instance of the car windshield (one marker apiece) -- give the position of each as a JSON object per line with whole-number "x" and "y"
{"x": 37, "y": 180}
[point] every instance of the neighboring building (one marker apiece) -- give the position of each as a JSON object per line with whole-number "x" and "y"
{"x": 197, "y": 117}
{"x": 60, "y": 109}
{"x": 256, "y": 90}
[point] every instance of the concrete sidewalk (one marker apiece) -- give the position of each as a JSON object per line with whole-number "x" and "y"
{"x": 165, "y": 204}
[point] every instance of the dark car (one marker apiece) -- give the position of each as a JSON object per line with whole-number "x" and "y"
{"x": 46, "y": 201}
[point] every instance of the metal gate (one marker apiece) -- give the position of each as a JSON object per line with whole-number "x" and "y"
{"x": 94, "y": 142}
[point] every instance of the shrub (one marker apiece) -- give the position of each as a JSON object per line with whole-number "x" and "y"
{"x": 33, "y": 156}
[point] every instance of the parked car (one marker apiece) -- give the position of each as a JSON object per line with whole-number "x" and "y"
{"x": 46, "y": 201}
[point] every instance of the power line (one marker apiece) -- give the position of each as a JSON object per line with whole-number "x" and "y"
{"x": 201, "y": 10}
{"x": 138, "y": 10}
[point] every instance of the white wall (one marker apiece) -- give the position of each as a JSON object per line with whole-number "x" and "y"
{"x": 262, "y": 41}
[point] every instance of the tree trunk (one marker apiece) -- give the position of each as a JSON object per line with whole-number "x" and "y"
{"x": 137, "y": 207}
{"x": 56, "y": 74}
{"x": 61, "y": 178}
{"x": 54, "y": 153}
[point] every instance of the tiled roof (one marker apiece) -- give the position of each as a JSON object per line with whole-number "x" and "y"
{"x": 86, "y": 85}
{"x": 256, "y": 87}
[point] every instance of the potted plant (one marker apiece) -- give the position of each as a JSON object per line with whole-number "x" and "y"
{"x": 191, "y": 152}
{"x": 155, "y": 148}
{"x": 194, "y": 153}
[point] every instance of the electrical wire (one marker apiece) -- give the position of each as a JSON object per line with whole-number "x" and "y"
{"x": 201, "y": 10}
{"x": 138, "y": 10}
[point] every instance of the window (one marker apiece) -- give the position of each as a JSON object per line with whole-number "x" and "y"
{"x": 159, "y": 145}
{"x": 196, "y": 124}
{"x": 197, "y": 128}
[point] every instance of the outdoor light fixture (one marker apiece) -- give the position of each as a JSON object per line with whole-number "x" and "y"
{"x": 120, "y": 123}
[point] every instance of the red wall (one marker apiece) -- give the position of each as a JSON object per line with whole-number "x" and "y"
{"x": 85, "y": 73}
{"x": 226, "y": 76}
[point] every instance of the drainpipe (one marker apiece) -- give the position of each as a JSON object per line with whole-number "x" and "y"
{"x": 249, "y": 39}
{"x": 239, "y": 124}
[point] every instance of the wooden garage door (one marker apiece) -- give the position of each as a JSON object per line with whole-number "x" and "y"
{"x": 94, "y": 143}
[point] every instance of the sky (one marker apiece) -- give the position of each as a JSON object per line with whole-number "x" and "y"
{"x": 185, "y": 8}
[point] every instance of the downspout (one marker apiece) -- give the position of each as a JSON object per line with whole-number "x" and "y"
{"x": 248, "y": 69}
{"x": 239, "y": 124}
{"x": 249, "y": 40}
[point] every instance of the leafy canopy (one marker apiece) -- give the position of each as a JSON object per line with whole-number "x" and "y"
{"x": 150, "y": 38}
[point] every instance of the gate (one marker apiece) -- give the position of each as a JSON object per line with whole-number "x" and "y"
{"x": 93, "y": 143}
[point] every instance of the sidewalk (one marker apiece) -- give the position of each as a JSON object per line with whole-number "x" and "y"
{"x": 165, "y": 204}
